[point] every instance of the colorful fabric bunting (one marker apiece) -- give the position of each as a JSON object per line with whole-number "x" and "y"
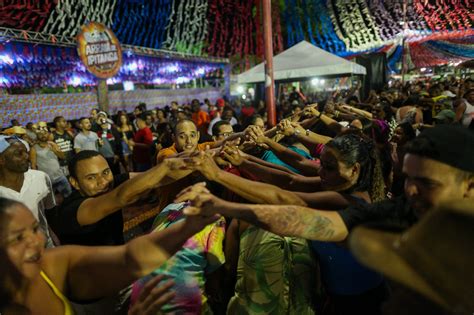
{"x": 187, "y": 28}
{"x": 142, "y": 23}
{"x": 234, "y": 28}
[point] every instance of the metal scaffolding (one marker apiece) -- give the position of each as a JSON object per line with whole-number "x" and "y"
{"x": 10, "y": 34}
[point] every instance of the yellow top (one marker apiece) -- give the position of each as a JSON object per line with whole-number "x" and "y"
{"x": 67, "y": 306}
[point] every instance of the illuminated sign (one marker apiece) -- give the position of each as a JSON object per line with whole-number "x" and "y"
{"x": 99, "y": 50}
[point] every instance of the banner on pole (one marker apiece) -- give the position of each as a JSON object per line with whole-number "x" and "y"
{"x": 99, "y": 50}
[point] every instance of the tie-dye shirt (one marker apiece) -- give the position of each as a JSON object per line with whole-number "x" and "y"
{"x": 201, "y": 255}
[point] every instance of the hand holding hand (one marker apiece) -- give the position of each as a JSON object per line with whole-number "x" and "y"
{"x": 233, "y": 155}
{"x": 201, "y": 202}
{"x": 258, "y": 136}
{"x": 250, "y": 131}
{"x": 311, "y": 111}
{"x": 286, "y": 128}
{"x": 204, "y": 163}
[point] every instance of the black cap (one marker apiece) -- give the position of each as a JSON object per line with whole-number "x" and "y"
{"x": 452, "y": 144}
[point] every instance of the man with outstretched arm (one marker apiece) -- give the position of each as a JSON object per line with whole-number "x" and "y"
{"x": 91, "y": 214}
{"x": 438, "y": 167}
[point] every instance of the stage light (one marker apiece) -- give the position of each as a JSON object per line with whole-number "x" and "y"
{"x": 128, "y": 86}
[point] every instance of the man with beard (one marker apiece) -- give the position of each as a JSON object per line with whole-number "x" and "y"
{"x": 91, "y": 214}
{"x": 18, "y": 182}
{"x": 86, "y": 139}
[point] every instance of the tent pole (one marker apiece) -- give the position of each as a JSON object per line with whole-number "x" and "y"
{"x": 268, "y": 46}
{"x": 404, "y": 44}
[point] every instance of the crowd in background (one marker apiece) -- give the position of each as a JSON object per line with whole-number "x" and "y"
{"x": 252, "y": 219}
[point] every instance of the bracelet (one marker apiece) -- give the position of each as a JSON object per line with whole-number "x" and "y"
{"x": 320, "y": 114}
{"x": 307, "y": 132}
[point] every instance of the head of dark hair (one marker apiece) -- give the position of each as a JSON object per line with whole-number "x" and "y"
{"x": 142, "y": 116}
{"x": 57, "y": 119}
{"x": 352, "y": 149}
{"x": 82, "y": 118}
{"x": 82, "y": 155}
{"x": 468, "y": 92}
{"x": 165, "y": 133}
{"x": 119, "y": 120}
{"x": 366, "y": 126}
{"x": 217, "y": 126}
{"x": 380, "y": 132}
{"x": 142, "y": 106}
{"x": 422, "y": 147}
{"x": 408, "y": 130}
{"x": 387, "y": 109}
{"x": 228, "y": 108}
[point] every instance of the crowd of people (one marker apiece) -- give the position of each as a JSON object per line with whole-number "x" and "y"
{"x": 252, "y": 219}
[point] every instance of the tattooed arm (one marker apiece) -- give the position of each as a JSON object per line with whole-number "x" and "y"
{"x": 282, "y": 220}
{"x": 296, "y": 221}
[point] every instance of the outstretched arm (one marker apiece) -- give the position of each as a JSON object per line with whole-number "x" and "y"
{"x": 93, "y": 272}
{"x": 285, "y": 180}
{"x": 248, "y": 189}
{"x": 288, "y": 220}
{"x": 95, "y": 209}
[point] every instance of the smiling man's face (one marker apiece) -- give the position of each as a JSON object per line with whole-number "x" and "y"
{"x": 93, "y": 177}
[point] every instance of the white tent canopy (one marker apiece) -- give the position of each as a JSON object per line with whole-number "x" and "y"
{"x": 302, "y": 61}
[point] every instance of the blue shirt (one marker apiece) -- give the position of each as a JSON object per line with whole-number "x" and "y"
{"x": 269, "y": 156}
{"x": 341, "y": 273}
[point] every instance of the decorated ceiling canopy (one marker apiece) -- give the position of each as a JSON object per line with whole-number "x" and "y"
{"x": 226, "y": 28}
{"x": 34, "y": 66}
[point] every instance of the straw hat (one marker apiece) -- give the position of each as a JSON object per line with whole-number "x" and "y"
{"x": 435, "y": 257}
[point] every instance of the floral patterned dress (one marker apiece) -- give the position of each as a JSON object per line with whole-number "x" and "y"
{"x": 275, "y": 275}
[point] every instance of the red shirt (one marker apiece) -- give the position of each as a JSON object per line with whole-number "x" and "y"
{"x": 201, "y": 118}
{"x": 248, "y": 111}
{"x": 142, "y": 153}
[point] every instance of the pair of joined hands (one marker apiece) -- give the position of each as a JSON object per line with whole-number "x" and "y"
{"x": 206, "y": 162}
